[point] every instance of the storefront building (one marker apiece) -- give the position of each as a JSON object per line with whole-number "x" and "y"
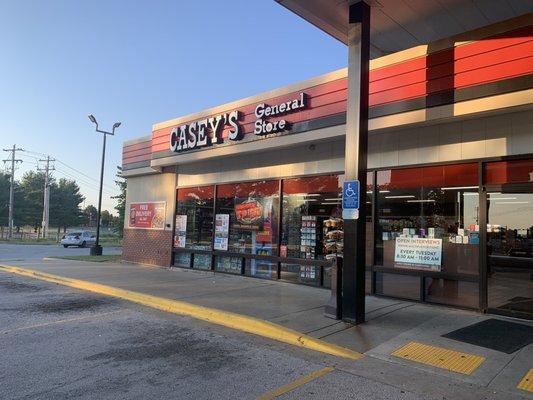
{"x": 253, "y": 187}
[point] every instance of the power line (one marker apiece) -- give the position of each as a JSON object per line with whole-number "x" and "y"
{"x": 108, "y": 189}
{"x": 29, "y": 156}
{"x": 87, "y": 184}
{"x": 72, "y": 168}
{"x": 79, "y": 172}
{"x": 69, "y": 175}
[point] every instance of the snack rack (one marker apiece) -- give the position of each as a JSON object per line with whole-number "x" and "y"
{"x": 333, "y": 237}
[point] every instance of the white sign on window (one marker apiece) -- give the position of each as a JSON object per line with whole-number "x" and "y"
{"x": 180, "y": 231}
{"x": 221, "y": 231}
{"x": 418, "y": 253}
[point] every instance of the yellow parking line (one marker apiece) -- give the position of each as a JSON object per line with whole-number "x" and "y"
{"x": 439, "y": 357}
{"x": 295, "y": 384}
{"x": 228, "y": 319}
{"x": 527, "y": 382}
{"x": 61, "y": 321}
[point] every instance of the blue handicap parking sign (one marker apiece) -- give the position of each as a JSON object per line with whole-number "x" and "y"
{"x": 350, "y": 195}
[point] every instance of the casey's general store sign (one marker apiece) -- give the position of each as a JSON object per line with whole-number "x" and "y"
{"x": 208, "y": 131}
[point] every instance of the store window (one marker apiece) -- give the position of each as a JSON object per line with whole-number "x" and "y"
{"x": 247, "y": 222}
{"x": 505, "y": 172}
{"x": 396, "y": 285}
{"x": 452, "y": 292}
{"x": 428, "y": 221}
{"x": 312, "y": 226}
{"x": 194, "y": 225}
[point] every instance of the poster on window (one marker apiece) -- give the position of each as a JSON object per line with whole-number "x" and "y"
{"x": 418, "y": 253}
{"x": 249, "y": 211}
{"x": 180, "y": 232}
{"x": 307, "y": 272}
{"x": 221, "y": 231}
{"x": 149, "y": 215}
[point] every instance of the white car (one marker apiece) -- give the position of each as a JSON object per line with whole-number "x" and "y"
{"x": 80, "y": 239}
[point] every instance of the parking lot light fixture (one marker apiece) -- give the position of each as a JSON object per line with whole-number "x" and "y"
{"x": 96, "y": 250}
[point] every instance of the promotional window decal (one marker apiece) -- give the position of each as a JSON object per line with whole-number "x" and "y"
{"x": 149, "y": 215}
{"x": 221, "y": 231}
{"x": 180, "y": 235}
{"x": 249, "y": 211}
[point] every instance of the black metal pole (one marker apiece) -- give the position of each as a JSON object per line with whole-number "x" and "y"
{"x": 482, "y": 246}
{"x": 353, "y": 266}
{"x": 97, "y": 249}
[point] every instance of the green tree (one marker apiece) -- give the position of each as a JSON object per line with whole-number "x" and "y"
{"x": 106, "y": 219}
{"x": 29, "y": 208}
{"x": 89, "y": 215}
{"x": 19, "y": 200}
{"x": 121, "y": 201}
{"x": 65, "y": 200}
{"x": 5, "y": 182}
{"x": 4, "y": 198}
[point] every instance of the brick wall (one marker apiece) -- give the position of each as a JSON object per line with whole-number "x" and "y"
{"x": 147, "y": 246}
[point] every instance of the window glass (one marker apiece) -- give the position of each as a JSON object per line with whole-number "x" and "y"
{"x": 312, "y": 217}
{"x": 261, "y": 269}
{"x": 395, "y": 285}
{"x": 369, "y": 254}
{"x": 312, "y": 226}
{"x": 510, "y": 251}
{"x": 514, "y": 171}
{"x": 253, "y": 211}
{"x": 455, "y": 293}
{"x": 194, "y": 225}
{"x": 428, "y": 219}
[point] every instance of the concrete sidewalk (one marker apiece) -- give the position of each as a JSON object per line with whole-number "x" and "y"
{"x": 390, "y": 323}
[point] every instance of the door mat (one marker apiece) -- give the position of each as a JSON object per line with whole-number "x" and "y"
{"x": 495, "y": 334}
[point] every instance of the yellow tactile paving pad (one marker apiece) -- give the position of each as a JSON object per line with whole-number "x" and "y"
{"x": 450, "y": 360}
{"x": 527, "y": 382}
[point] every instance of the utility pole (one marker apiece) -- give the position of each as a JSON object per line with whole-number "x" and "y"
{"x": 13, "y": 161}
{"x": 46, "y": 205}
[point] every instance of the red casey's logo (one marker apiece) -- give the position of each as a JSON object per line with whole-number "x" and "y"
{"x": 248, "y": 212}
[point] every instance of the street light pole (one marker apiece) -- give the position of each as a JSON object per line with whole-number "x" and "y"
{"x": 96, "y": 250}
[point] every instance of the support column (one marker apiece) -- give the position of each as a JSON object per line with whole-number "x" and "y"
{"x": 353, "y": 274}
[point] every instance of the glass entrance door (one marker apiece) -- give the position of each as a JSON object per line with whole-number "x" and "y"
{"x": 510, "y": 251}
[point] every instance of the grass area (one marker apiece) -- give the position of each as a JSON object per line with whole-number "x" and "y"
{"x": 111, "y": 241}
{"x": 102, "y": 258}
{"x": 29, "y": 241}
{"x": 105, "y": 241}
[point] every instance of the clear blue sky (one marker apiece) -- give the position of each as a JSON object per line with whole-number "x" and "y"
{"x": 139, "y": 62}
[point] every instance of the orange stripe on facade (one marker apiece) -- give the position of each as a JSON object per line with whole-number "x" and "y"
{"x": 500, "y": 57}
{"x": 453, "y": 67}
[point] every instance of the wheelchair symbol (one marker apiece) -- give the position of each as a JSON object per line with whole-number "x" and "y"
{"x": 349, "y": 191}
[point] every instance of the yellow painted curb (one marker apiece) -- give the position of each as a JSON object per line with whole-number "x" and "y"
{"x": 228, "y": 319}
{"x": 296, "y": 384}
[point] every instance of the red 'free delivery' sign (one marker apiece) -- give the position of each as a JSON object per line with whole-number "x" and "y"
{"x": 149, "y": 215}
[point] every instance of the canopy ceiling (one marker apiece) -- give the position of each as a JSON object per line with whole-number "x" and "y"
{"x": 400, "y": 24}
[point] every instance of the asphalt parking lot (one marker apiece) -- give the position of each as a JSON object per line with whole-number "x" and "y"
{"x": 62, "y": 343}
{"x": 17, "y": 252}
{"x": 57, "y": 342}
